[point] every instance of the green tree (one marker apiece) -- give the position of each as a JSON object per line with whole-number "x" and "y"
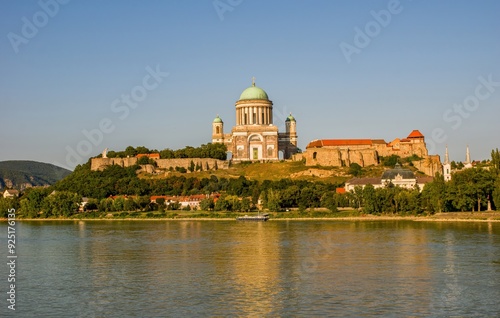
{"x": 7, "y": 204}
{"x": 130, "y": 151}
{"x": 434, "y": 195}
{"x": 471, "y": 188}
{"x": 495, "y": 161}
{"x": 245, "y": 205}
{"x": 328, "y": 201}
{"x": 355, "y": 169}
{"x": 273, "y": 200}
{"x": 496, "y": 194}
{"x": 143, "y": 161}
{"x": 32, "y": 201}
{"x": 222, "y": 204}
{"x": 207, "y": 204}
{"x": 61, "y": 203}
{"x": 390, "y": 161}
{"x": 92, "y": 204}
{"x": 370, "y": 205}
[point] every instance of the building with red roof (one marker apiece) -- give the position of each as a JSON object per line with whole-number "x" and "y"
{"x": 367, "y": 152}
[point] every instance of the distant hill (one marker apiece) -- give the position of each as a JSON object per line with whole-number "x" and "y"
{"x": 22, "y": 174}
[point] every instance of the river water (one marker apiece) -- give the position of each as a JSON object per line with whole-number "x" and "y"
{"x": 246, "y": 269}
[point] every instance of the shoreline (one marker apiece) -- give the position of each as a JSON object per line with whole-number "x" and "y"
{"x": 440, "y": 217}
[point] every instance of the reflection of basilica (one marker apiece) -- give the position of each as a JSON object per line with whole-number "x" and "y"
{"x": 255, "y": 137}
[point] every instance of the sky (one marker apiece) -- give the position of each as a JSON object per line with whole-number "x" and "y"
{"x": 80, "y": 76}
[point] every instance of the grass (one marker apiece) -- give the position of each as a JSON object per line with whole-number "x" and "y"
{"x": 261, "y": 171}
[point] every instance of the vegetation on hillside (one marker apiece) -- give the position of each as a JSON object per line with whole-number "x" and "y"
{"x": 20, "y": 173}
{"x": 122, "y": 189}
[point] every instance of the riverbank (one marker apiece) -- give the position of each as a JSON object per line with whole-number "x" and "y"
{"x": 493, "y": 216}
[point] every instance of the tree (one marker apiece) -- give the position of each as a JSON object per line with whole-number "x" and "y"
{"x": 61, "y": 203}
{"x": 328, "y": 201}
{"x": 496, "y": 194}
{"x": 495, "y": 161}
{"x": 390, "y": 161}
{"x": 245, "y": 204}
{"x": 273, "y": 200}
{"x": 370, "y": 205}
{"x": 222, "y": 204}
{"x": 470, "y": 187}
{"x": 143, "y": 161}
{"x": 32, "y": 201}
{"x": 92, "y": 205}
{"x": 7, "y": 204}
{"x": 355, "y": 169}
{"x": 130, "y": 151}
{"x": 207, "y": 204}
{"x": 434, "y": 195}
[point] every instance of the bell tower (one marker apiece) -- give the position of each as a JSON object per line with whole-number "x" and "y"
{"x": 291, "y": 129}
{"x": 446, "y": 166}
{"x": 217, "y": 130}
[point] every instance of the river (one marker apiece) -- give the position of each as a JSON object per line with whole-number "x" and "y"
{"x": 253, "y": 269}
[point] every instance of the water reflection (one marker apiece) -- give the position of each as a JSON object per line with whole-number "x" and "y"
{"x": 279, "y": 268}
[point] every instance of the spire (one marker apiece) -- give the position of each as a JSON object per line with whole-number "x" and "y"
{"x": 467, "y": 155}
{"x": 446, "y": 157}
{"x": 253, "y": 81}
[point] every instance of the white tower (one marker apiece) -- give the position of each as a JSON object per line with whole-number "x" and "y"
{"x": 467, "y": 163}
{"x": 446, "y": 166}
{"x": 217, "y": 130}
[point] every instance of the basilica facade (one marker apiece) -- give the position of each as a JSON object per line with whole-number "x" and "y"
{"x": 255, "y": 137}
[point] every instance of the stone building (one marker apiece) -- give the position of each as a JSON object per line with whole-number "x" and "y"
{"x": 255, "y": 137}
{"x": 367, "y": 152}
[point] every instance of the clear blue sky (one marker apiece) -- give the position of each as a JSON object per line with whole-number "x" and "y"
{"x": 407, "y": 71}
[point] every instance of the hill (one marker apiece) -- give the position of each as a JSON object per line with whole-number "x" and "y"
{"x": 274, "y": 171}
{"x": 22, "y": 174}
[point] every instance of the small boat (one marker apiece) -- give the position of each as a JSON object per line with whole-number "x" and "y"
{"x": 263, "y": 217}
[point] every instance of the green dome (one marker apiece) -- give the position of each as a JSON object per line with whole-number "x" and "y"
{"x": 217, "y": 119}
{"x": 254, "y": 92}
{"x": 290, "y": 118}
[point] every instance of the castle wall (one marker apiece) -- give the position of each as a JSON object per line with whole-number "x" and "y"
{"x": 186, "y": 162}
{"x": 341, "y": 156}
{"x": 99, "y": 164}
{"x": 430, "y": 165}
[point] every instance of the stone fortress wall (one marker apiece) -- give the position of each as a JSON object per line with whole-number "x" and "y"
{"x": 99, "y": 164}
{"x": 367, "y": 152}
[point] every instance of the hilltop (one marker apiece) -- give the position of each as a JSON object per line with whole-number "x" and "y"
{"x": 274, "y": 171}
{"x": 22, "y": 174}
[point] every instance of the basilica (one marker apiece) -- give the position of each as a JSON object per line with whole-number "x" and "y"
{"x": 255, "y": 137}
